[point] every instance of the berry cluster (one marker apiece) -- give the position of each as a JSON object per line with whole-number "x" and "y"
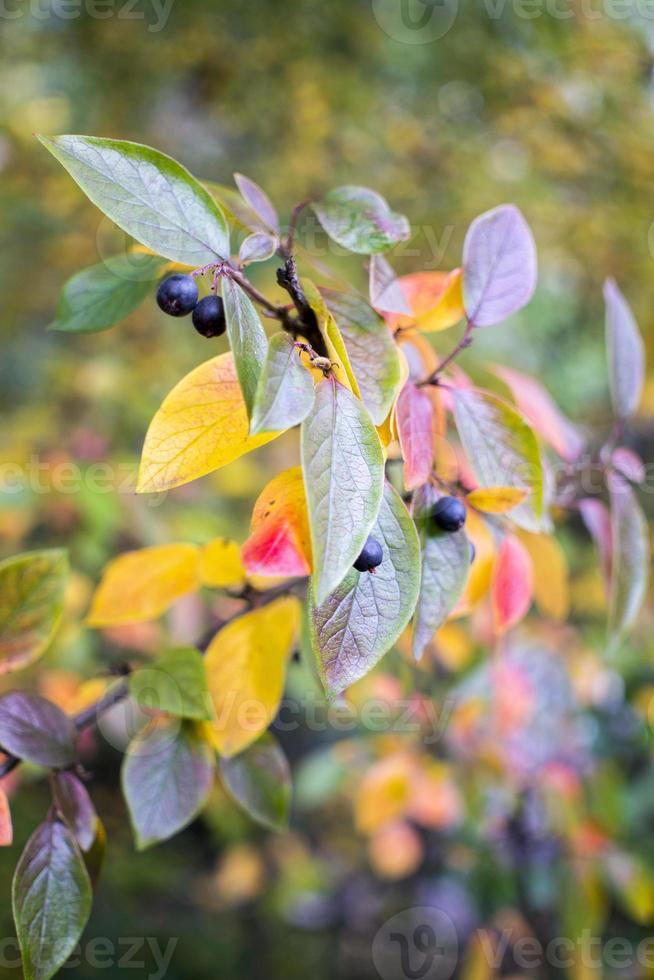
{"x": 178, "y": 296}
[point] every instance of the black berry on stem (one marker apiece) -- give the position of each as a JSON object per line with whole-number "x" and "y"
{"x": 449, "y": 514}
{"x": 178, "y": 295}
{"x": 371, "y": 556}
{"x": 209, "y": 316}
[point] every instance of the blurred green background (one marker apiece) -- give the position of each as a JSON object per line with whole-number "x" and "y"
{"x": 552, "y": 112}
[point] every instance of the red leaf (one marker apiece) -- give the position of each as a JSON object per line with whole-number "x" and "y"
{"x": 545, "y": 416}
{"x": 279, "y": 544}
{"x": 6, "y": 829}
{"x": 415, "y": 428}
{"x": 513, "y": 584}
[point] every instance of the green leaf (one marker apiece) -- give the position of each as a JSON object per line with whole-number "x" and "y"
{"x": 75, "y": 807}
{"x": 234, "y": 207}
{"x": 246, "y": 337}
{"x": 360, "y": 220}
{"x": 626, "y": 354}
{"x": 285, "y": 393}
{"x": 176, "y": 683}
{"x": 258, "y": 247}
{"x": 35, "y": 729}
{"x": 51, "y": 898}
{"x": 503, "y": 451}
{"x": 371, "y": 350}
{"x": 445, "y": 567}
{"x": 259, "y": 780}
{"x": 147, "y": 194}
{"x": 166, "y": 777}
{"x": 32, "y": 587}
{"x": 364, "y": 616}
{"x": 630, "y": 561}
{"x": 343, "y": 468}
{"x": 103, "y": 294}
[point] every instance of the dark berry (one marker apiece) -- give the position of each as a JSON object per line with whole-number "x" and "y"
{"x": 178, "y": 295}
{"x": 209, "y": 317}
{"x": 449, "y": 514}
{"x": 371, "y": 556}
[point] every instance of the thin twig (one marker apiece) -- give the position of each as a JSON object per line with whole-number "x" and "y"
{"x": 91, "y": 715}
{"x": 465, "y": 342}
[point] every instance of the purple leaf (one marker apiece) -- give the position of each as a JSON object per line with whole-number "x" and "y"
{"x": 37, "y": 730}
{"x": 385, "y": 291}
{"x": 259, "y": 201}
{"x": 499, "y": 265}
{"x": 597, "y": 519}
{"x": 74, "y": 804}
{"x": 166, "y": 777}
{"x": 259, "y": 780}
{"x": 625, "y": 352}
{"x": 631, "y": 557}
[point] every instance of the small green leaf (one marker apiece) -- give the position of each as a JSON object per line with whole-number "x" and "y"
{"x": 371, "y": 350}
{"x": 246, "y": 337}
{"x": 626, "y": 354}
{"x": 51, "y": 898}
{"x": 32, "y": 589}
{"x": 630, "y": 560}
{"x": 258, "y": 247}
{"x": 237, "y": 212}
{"x": 259, "y": 780}
{"x": 445, "y": 567}
{"x": 343, "y": 467}
{"x": 103, "y": 294}
{"x": 285, "y": 393}
{"x": 364, "y": 616}
{"x": 502, "y": 450}
{"x": 147, "y": 194}
{"x": 360, "y": 220}
{"x": 176, "y": 683}
{"x": 35, "y": 729}
{"x": 166, "y": 777}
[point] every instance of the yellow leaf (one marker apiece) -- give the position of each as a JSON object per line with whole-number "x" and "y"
{"x": 497, "y": 500}
{"x": 201, "y": 425}
{"x": 551, "y": 585}
{"x": 141, "y": 585}
{"x": 246, "y": 666}
{"x": 341, "y": 367}
{"x": 384, "y": 792}
{"x": 220, "y": 564}
{"x": 448, "y": 309}
{"x": 436, "y": 299}
{"x": 387, "y": 431}
{"x": 481, "y": 569}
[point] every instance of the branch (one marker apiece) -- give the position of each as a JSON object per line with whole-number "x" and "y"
{"x": 465, "y": 342}
{"x": 307, "y": 322}
{"x": 91, "y": 715}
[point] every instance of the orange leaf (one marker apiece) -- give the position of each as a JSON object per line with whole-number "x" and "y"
{"x": 280, "y": 542}
{"x": 436, "y": 299}
{"x": 6, "y": 829}
{"x": 513, "y": 584}
{"x": 497, "y": 500}
{"x": 551, "y": 590}
{"x": 384, "y": 793}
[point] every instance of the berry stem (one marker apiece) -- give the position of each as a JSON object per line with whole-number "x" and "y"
{"x": 91, "y": 715}
{"x": 465, "y": 342}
